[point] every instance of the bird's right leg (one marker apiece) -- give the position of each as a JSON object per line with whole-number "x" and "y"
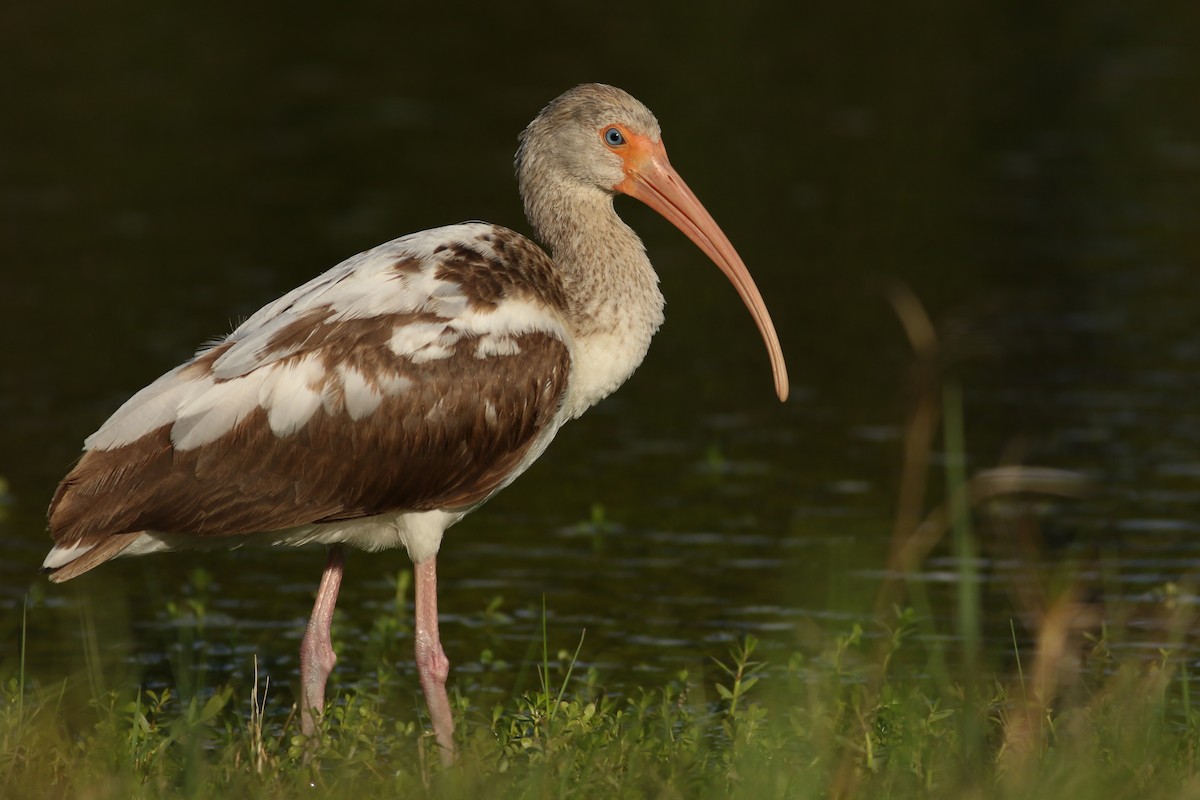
{"x": 432, "y": 665}
{"x": 316, "y": 650}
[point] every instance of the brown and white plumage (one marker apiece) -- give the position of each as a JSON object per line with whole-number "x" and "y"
{"x": 409, "y": 358}
{"x": 379, "y": 403}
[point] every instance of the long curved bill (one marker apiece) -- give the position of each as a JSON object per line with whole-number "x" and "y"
{"x": 652, "y": 179}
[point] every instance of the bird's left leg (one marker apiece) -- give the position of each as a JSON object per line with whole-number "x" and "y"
{"x": 316, "y": 650}
{"x": 432, "y": 664}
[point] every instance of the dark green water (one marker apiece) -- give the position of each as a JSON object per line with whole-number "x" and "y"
{"x": 1031, "y": 170}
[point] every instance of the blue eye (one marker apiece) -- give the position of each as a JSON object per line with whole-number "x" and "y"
{"x": 613, "y": 138}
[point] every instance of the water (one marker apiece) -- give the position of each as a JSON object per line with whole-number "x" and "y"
{"x": 1031, "y": 173}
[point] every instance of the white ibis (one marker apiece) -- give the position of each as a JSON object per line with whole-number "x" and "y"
{"x": 380, "y": 402}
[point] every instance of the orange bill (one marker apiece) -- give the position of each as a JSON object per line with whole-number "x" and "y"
{"x": 652, "y": 179}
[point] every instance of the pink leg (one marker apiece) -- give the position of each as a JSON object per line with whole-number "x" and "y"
{"x": 316, "y": 651}
{"x": 432, "y": 664}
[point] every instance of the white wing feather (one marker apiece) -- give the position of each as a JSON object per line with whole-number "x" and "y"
{"x": 203, "y": 405}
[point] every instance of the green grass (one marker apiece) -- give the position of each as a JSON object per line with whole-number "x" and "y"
{"x": 840, "y": 718}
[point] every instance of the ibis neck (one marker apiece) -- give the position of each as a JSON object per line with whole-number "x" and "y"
{"x": 614, "y": 305}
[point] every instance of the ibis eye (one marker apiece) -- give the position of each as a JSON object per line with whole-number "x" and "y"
{"x": 613, "y": 137}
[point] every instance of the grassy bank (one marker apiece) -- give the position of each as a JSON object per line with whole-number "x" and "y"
{"x": 839, "y": 719}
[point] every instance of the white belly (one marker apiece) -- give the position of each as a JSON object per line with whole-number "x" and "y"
{"x": 419, "y": 532}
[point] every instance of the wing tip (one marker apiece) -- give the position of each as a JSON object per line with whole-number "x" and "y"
{"x": 64, "y": 562}
{"x": 61, "y": 555}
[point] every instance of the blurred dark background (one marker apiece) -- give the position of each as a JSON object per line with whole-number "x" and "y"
{"x": 1030, "y": 170}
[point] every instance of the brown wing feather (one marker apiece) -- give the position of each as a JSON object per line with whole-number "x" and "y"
{"x": 432, "y": 445}
{"x": 108, "y": 548}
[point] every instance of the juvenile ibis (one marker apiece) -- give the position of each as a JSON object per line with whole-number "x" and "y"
{"x": 380, "y": 402}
